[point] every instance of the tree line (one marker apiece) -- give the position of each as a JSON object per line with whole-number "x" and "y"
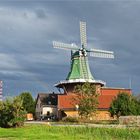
{"x": 13, "y": 110}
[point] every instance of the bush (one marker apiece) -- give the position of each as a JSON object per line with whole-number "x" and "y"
{"x": 12, "y": 113}
{"x": 70, "y": 119}
{"x": 81, "y": 120}
{"x": 124, "y": 105}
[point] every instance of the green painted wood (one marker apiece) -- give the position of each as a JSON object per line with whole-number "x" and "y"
{"x": 79, "y": 68}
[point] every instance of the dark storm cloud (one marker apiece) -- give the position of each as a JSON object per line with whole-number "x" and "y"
{"x": 27, "y": 30}
{"x": 41, "y": 13}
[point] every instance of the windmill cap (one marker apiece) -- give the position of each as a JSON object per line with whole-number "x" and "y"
{"x": 73, "y": 81}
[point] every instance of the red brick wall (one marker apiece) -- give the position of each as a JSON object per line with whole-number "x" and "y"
{"x": 105, "y": 98}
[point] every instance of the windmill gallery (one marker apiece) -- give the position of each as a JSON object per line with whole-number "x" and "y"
{"x": 60, "y": 105}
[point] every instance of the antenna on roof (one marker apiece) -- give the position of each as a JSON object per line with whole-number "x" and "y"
{"x": 130, "y": 82}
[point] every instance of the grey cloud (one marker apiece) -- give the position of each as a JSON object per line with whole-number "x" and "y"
{"x": 28, "y": 29}
{"x": 41, "y": 13}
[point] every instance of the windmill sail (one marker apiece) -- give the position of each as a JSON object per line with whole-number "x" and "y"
{"x": 101, "y": 53}
{"x": 83, "y": 34}
{"x": 65, "y": 46}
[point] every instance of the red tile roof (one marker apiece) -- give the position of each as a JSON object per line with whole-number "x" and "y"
{"x": 114, "y": 91}
{"x": 66, "y": 101}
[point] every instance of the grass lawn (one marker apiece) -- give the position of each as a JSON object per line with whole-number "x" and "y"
{"x": 44, "y": 132}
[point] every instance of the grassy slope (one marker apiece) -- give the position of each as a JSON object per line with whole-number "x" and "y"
{"x": 43, "y": 132}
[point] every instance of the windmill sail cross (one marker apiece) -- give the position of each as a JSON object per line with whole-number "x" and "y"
{"x": 80, "y": 71}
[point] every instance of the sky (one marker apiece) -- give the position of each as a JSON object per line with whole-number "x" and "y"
{"x": 29, "y": 63}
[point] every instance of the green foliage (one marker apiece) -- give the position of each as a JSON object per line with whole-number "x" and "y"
{"x": 86, "y": 99}
{"x": 70, "y": 119}
{"x": 137, "y": 105}
{"x": 28, "y": 102}
{"x": 124, "y": 105}
{"x": 12, "y": 113}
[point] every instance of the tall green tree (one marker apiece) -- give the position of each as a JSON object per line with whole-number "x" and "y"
{"x": 12, "y": 113}
{"x": 86, "y": 99}
{"x": 124, "y": 105}
{"x": 28, "y": 102}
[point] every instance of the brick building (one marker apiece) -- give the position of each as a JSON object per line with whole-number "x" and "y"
{"x": 66, "y": 104}
{"x": 62, "y": 105}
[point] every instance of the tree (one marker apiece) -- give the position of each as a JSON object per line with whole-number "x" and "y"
{"x": 28, "y": 102}
{"x": 12, "y": 114}
{"x": 123, "y": 105}
{"x": 136, "y": 105}
{"x": 86, "y": 98}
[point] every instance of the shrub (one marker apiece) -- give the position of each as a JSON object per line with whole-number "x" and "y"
{"x": 12, "y": 113}
{"x": 124, "y": 105}
{"x": 70, "y": 119}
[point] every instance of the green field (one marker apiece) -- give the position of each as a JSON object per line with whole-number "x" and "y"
{"x": 44, "y": 132}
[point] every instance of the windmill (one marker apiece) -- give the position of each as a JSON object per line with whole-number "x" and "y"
{"x": 80, "y": 71}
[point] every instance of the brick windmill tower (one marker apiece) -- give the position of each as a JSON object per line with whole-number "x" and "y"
{"x": 80, "y": 71}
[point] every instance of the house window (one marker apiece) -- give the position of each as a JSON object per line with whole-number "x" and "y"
{"x": 48, "y": 113}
